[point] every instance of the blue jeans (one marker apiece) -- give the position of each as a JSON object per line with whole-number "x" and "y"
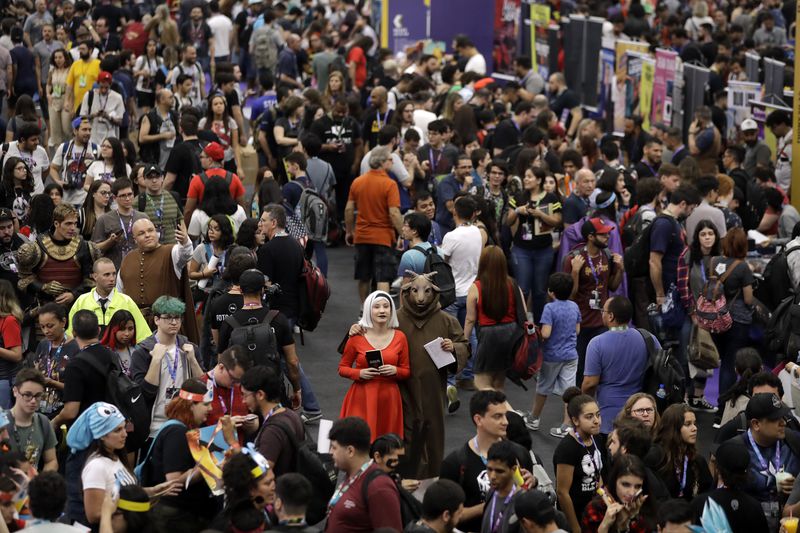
{"x": 321, "y": 256}
{"x": 728, "y": 343}
{"x": 459, "y": 310}
{"x": 309, "y": 399}
{"x": 532, "y": 268}
{"x": 5, "y": 393}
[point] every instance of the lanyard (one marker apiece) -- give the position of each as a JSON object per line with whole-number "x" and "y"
{"x": 173, "y": 371}
{"x": 159, "y": 212}
{"x": 495, "y": 522}
{"x": 761, "y": 461}
{"x": 682, "y": 476}
{"x": 591, "y": 267}
{"x": 381, "y": 121}
{"x": 478, "y": 450}
{"x": 230, "y": 401}
{"x": 126, "y": 232}
{"x": 264, "y": 422}
{"x": 596, "y": 475}
{"x": 434, "y": 163}
{"x": 345, "y": 486}
{"x": 51, "y": 362}
{"x": 652, "y": 170}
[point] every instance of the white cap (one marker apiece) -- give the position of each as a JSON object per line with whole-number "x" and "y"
{"x": 748, "y": 124}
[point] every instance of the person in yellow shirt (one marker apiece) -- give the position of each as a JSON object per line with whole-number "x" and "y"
{"x": 104, "y": 300}
{"x": 81, "y": 77}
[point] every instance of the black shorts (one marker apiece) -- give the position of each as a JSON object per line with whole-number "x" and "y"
{"x": 375, "y": 262}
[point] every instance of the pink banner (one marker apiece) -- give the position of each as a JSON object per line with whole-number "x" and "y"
{"x": 663, "y": 85}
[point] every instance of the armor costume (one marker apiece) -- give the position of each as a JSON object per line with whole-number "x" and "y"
{"x": 48, "y": 268}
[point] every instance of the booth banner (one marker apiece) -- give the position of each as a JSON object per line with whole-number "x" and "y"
{"x": 540, "y": 48}
{"x": 406, "y": 23}
{"x": 664, "y": 85}
{"x": 605, "y": 82}
{"x": 646, "y": 91}
{"x": 621, "y": 47}
{"x": 507, "y": 19}
{"x": 740, "y": 93}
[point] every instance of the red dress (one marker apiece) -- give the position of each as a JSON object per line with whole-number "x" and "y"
{"x": 376, "y": 400}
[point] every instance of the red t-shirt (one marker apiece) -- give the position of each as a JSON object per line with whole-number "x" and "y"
{"x": 197, "y": 188}
{"x": 351, "y": 514}
{"x": 11, "y": 332}
{"x": 357, "y": 55}
{"x": 221, "y": 404}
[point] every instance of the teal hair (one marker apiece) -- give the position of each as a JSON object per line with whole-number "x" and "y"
{"x": 167, "y": 305}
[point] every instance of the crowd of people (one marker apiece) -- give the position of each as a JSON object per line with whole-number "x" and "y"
{"x": 150, "y": 298}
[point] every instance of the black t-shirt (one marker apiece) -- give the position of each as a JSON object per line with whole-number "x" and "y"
{"x": 473, "y": 478}
{"x": 280, "y": 325}
{"x": 171, "y": 454}
{"x": 743, "y": 511}
{"x": 111, "y": 13}
{"x": 184, "y": 162}
{"x": 646, "y": 170}
{"x": 222, "y": 307}
{"x": 589, "y": 464}
{"x": 698, "y": 476}
{"x": 666, "y": 238}
{"x": 281, "y": 260}
{"x": 563, "y": 104}
{"x": 82, "y": 382}
{"x": 373, "y": 122}
{"x": 347, "y": 131}
{"x": 506, "y": 134}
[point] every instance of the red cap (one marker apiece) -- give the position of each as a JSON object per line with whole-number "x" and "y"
{"x": 595, "y": 225}
{"x": 104, "y": 76}
{"x": 482, "y": 83}
{"x": 215, "y": 151}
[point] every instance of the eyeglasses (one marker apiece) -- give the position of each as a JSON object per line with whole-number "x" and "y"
{"x": 234, "y": 379}
{"x": 170, "y": 319}
{"x": 28, "y": 396}
{"x": 125, "y": 195}
{"x": 643, "y": 411}
{"x": 104, "y": 193}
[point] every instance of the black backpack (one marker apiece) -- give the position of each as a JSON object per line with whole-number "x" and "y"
{"x": 783, "y": 330}
{"x": 258, "y": 338}
{"x": 663, "y": 371}
{"x": 444, "y": 274}
{"x": 637, "y": 255}
{"x": 311, "y": 465}
{"x": 126, "y": 394}
{"x": 776, "y": 283}
{"x": 410, "y": 507}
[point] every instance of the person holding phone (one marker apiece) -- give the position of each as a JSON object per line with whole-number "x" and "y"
{"x": 381, "y": 360}
{"x": 624, "y": 504}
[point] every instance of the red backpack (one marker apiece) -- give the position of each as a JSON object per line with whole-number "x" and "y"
{"x": 711, "y": 309}
{"x": 313, "y": 296}
{"x": 528, "y": 351}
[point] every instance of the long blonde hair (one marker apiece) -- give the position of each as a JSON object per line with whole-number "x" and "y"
{"x": 9, "y": 305}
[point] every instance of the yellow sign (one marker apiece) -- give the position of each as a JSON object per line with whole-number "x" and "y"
{"x": 540, "y": 20}
{"x": 646, "y": 92}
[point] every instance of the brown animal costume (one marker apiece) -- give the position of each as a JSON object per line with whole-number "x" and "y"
{"x": 422, "y": 320}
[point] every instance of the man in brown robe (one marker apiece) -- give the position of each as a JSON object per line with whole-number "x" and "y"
{"x": 154, "y": 269}
{"x": 422, "y": 320}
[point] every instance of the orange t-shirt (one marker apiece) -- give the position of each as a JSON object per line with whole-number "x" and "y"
{"x": 196, "y": 187}
{"x": 374, "y": 193}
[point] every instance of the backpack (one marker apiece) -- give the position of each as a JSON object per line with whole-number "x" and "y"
{"x": 313, "y": 211}
{"x": 663, "y": 376}
{"x": 228, "y": 178}
{"x": 265, "y": 49}
{"x": 309, "y": 463}
{"x": 141, "y": 470}
{"x": 151, "y": 152}
{"x": 776, "y": 283}
{"x": 258, "y": 338}
{"x": 314, "y": 294}
{"x": 783, "y": 330}
{"x": 711, "y": 309}
{"x": 637, "y": 256}
{"x": 444, "y": 274}
{"x": 410, "y": 507}
{"x": 74, "y": 174}
{"x": 126, "y": 394}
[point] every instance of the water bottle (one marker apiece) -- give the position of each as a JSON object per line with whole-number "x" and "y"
{"x": 662, "y": 392}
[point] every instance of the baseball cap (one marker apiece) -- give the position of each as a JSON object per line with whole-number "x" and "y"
{"x": 251, "y": 281}
{"x": 483, "y": 83}
{"x": 535, "y": 505}
{"x": 595, "y": 225}
{"x": 152, "y": 169}
{"x": 732, "y": 456}
{"x": 104, "y": 77}
{"x": 765, "y": 405}
{"x": 748, "y": 124}
{"x": 215, "y": 151}
{"x": 6, "y": 214}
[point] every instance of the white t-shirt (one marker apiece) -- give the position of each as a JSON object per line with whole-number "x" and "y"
{"x": 98, "y": 170}
{"x": 421, "y": 120}
{"x": 74, "y": 161}
{"x": 198, "y": 225}
{"x": 38, "y": 162}
{"x": 150, "y": 65}
{"x": 102, "y": 473}
{"x": 221, "y": 27}
{"x": 461, "y": 249}
{"x": 476, "y": 63}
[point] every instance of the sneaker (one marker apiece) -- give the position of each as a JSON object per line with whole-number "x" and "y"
{"x": 559, "y": 432}
{"x": 453, "y": 403}
{"x": 531, "y": 423}
{"x": 699, "y": 403}
{"x": 717, "y": 420}
{"x": 310, "y": 417}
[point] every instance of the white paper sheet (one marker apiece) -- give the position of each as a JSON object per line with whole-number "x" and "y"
{"x": 323, "y": 442}
{"x": 440, "y": 358}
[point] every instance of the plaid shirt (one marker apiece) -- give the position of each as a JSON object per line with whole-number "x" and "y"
{"x": 684, "y": 290}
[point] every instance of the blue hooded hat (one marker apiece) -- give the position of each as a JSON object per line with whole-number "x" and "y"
{"x": 96, "y": 422}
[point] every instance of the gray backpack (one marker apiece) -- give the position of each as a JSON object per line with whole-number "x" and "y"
{"x": 313, "y": 211}
{"x": 265, "y": 49}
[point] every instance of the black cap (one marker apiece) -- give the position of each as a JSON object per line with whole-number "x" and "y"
{"x": 152, "y": 169}
{"x": 251, "y": 281}
{"x": 733, "y": 456}
{"x": 535, "y": 505}
{"x": 765, "y": 405}
{"x": 6, "y": 214}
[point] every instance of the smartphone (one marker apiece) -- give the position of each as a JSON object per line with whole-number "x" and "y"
{"x": 374, "y": 359}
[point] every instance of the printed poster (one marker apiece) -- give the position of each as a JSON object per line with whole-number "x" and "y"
{"x": 622, "y": 92}
{"x": 664, "y": 86}
{"x": 540, "y": 21}
{"x": 207, "y": 446}
{"x": 605, "y": 84}
{"x": 505, "y": 44}
{"x": 646, "y": 91}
